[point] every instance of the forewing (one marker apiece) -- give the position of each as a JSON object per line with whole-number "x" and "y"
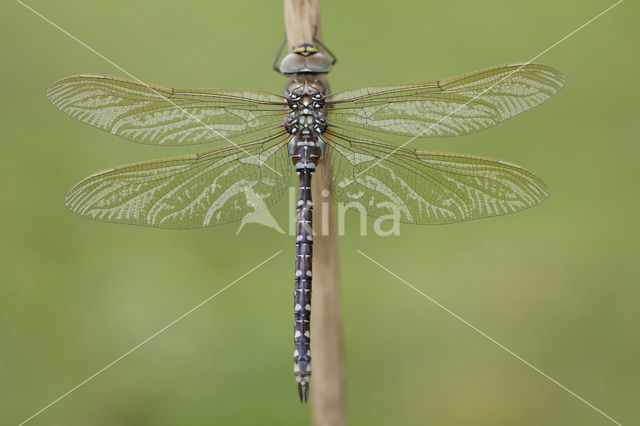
{"x": 158, "y": 115}
{"x": 451, "y": 107}
{"x": 193, "y": 191}
{"x": 425, "y": 187}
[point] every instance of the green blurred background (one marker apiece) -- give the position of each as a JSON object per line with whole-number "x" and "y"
{"x": 557, "y": 284}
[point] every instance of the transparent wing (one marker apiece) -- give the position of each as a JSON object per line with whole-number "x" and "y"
{"x": 193, "y": 191}
{"x": 451, "y": 107}
{"x": 151, "y": 114}
{"x": 425, "y": 187}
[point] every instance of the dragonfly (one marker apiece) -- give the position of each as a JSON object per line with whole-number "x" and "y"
{"x": 259, "y": 138}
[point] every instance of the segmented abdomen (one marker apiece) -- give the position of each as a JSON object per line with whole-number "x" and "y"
{"x": 302, "y": 292}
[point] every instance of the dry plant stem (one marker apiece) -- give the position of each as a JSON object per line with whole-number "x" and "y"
{"x": 302, "y": 19}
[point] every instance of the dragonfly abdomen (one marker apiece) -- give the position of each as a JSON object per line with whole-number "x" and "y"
{"x": 306, "y": 151}
{"x": 302, "y": 292}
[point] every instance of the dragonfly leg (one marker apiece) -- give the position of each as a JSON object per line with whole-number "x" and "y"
{"x": 275, "y": 60}
{"x": 325, "y": 48}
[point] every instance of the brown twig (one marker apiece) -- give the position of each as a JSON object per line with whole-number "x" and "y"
{"x": 302, "y": 22}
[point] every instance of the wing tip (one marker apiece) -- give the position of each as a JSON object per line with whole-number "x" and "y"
{"x": 558, "y": 75}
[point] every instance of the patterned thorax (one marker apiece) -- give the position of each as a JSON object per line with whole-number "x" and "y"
{"x": 306, "y": 122}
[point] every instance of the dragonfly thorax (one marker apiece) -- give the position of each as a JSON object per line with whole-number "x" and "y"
{"x": 306, "y": 104}
{"x": 306, "y": 122}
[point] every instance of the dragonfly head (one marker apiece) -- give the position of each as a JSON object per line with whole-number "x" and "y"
{"x": 305, "y": 59}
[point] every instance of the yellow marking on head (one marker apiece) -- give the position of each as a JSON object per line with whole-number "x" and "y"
{"x": 305, "y": 50}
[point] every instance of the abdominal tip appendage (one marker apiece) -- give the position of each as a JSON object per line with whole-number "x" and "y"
{"x": 303, "y": 391}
